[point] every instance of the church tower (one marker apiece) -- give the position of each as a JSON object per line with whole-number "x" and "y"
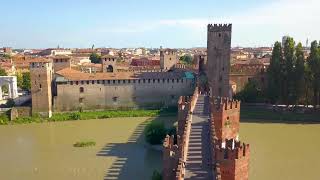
{"x": 41, "y": 93}
{"x": 219, "y": 49}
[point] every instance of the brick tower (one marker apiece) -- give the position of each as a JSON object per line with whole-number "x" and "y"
{"x": 218, "y": 49}
{"x": 226, "y": 116}
{"x": 231, "y": 157}
{"x": 41, "y": 93}
{"x": 232, "y": 161}
{"x": 168, "y": 58}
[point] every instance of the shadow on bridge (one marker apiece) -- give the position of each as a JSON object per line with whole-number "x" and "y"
{"x": 198, "y": 165}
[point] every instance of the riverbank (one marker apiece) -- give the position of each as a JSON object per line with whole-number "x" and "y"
{"x": 69, "y": 116}
{"x": 263, "y": 115}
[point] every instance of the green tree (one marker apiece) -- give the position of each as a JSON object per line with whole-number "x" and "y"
{"x": 95, "y": 58}
{"x": 156, "y": 175}
{"x": 274, "y": 75}
{"x": 251, "y": 93}
{"x": 155, "y": 132}
{"x": 299, "y": 74}
{"x": 3, "y": 72}
{"x": 26, "y": 83}
{"x": 24, "y": 80}
{"x": 314, "y": 65}
{"x": 288, "y": 80}
{"x": 7, "y": 56}
{"x": 308, "y": 88}
{"x": 186, "y": 59}
{"x": 19, "y": 80}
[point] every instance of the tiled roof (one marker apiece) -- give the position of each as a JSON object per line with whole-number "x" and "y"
{"x": 61, "y": 57}
{"x": 75, "y": 75}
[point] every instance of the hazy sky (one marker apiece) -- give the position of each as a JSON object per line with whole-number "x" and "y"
{"x": 150, "y": 23}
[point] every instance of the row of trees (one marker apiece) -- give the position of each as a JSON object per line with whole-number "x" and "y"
{"x": 292, "y": 79}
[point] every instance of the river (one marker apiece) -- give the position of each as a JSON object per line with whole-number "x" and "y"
{"x": 45, "y": 150}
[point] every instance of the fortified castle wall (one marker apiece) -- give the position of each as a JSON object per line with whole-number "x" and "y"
{"x": 120, "y": 93}
{"x": 175, "y": 155}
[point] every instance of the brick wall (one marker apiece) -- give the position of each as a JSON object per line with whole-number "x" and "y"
{"x": 174, "y": 155}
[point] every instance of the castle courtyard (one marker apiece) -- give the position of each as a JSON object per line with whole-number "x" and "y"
{"x": 45, "y": 150}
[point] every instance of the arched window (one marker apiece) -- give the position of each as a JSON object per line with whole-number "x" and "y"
{"x": 110, "y": 68}
{"x": 81, "y": 89}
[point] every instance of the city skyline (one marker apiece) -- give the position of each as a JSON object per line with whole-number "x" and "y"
{"x": 72, "y": 24}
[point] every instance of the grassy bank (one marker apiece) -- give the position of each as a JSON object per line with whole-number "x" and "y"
{"x": 90, "y": 115}
{"x": 255, "y": 114}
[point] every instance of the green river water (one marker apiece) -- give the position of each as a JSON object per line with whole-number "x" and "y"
{"x": 45, "y": 151}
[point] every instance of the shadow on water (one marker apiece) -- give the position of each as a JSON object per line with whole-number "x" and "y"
{"x": 133, "y": 159}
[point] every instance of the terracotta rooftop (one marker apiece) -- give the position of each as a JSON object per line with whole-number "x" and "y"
{"x": 75, "y": 75}
{"x": 61, "y": 57}
{"x": 39, "y": 60}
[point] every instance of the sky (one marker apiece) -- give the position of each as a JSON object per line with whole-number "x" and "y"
{"x": 150, "y": 23}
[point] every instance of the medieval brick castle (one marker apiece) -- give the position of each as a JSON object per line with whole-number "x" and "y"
{"x": 57, "y": 87}
{"x": 229, "y": 157}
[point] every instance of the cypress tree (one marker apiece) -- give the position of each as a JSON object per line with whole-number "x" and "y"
{"x": 273, "y": 73}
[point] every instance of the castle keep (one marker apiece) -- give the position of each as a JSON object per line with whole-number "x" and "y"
{"x": 218, "y": 50}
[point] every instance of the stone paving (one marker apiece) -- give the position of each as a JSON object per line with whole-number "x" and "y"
{"x": 198, "y": 164}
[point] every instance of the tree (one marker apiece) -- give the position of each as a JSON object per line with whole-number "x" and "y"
{"x": 299, "y": 74}
{"x": 23, "y": 80}
{"x": 95, "y": 58}
{"x": 156, "y": 175}
{"x": 7, "y": 56}
{"x": 288, "y": 80}
{"x": 251, "y": 93}
{"x": 274, "y": 75}
{"x": 155, "y": 132}
{"x": 314, "y": 65}
{"x": 26, "y": 84}
{"x": 3, "y": 72}
{"x": 186, "y": 59}
{"x": 19, "y": 79}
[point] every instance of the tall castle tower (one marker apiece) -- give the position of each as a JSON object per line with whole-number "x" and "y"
{"x": 219, "y": 49}
{"x": 168, "y": 58}
{"x": 41, "y": 93}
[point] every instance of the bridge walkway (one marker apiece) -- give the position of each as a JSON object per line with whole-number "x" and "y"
{"x": 198, "y": 164}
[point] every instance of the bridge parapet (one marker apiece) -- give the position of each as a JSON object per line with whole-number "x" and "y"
{"x": 175, "y": 155}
